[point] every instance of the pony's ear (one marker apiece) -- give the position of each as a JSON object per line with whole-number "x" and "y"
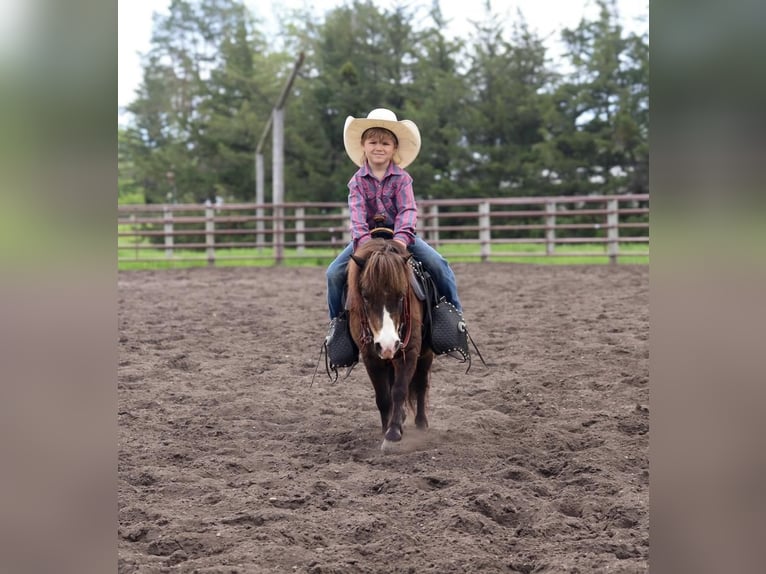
{"x": 359, "y": 261}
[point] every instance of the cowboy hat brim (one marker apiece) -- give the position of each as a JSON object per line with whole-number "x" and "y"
{"x": 406, "y": 133}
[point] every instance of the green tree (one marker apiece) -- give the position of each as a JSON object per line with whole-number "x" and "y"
{"x": 495, "y": 117}
{"x": 359, "y": 58}
{"x": 236, "y": 104}
{"x": 208, "y": 83}
{"x": 438, "y": 102}
{"x": 597, "y": 133}
{"x": 129, "y": 189}
{"x": 164, "y": 108}
{"x": 509, "y": 80}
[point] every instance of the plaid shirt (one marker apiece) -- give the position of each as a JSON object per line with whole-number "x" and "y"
{"x": 393, "y": 198}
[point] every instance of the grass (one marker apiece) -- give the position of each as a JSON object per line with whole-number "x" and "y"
{"x": 596, "y": 254}
{"x": 455, "y": 253}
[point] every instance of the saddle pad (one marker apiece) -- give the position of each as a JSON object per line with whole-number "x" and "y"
{"x": 423, "y": 286}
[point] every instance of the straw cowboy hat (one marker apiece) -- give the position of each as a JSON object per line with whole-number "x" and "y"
{"x": 405, "y": 131}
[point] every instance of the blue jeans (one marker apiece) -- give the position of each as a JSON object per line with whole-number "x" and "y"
{"x": 434, "y": 263}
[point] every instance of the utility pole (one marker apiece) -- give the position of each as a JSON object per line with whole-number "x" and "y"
{"x": 276, "y": 120}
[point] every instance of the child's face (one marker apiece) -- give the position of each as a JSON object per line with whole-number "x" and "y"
{"x": 379, "y": 150}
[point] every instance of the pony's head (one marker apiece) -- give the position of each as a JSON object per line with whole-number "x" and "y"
{"x": 378, "y": 288}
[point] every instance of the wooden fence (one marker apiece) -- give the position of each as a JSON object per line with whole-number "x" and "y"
{"x": 287, "y": 231}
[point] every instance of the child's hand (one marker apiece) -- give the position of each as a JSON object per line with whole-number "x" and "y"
{"x": 402, "y": 243}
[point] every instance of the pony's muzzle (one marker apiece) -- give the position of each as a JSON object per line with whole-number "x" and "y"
{"x": 389, "y": 349}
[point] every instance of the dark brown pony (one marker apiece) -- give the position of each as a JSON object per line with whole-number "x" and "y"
{"x": 386, "y": 322}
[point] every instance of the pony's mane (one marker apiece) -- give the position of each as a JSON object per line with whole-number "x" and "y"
{"x": 384, "y": 270}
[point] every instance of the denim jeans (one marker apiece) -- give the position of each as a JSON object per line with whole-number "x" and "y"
{"x": 434, "y": 263}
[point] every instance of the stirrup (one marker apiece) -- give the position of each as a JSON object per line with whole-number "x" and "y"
{"x": 340, "y": 348}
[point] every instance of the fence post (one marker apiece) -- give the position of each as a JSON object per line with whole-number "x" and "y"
{"x": 259, "y": 200}
{"x": 484, "y": 231}
{"x": 433, "y": 223}
{"x": 210, "y": 233}
{"x": 550, "y": 227}
{"x": 167, "y": 218}
{"x": 300, "y": 225}
{"x": 612, "y": 230}
{"x": 346, "y": 231}
{"x": 133, "y": 228}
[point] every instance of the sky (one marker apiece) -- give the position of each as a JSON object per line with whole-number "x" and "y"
{"x": 546, "y": 17}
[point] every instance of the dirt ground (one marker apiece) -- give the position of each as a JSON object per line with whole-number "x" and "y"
{"x": 231, "y": 461}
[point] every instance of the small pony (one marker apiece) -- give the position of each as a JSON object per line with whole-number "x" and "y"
{"x": 386, "y": 323}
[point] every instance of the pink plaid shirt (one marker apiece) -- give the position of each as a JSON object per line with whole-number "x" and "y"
{"x": 393, "y": 198}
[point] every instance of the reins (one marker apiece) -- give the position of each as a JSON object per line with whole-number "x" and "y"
{"x": 406, "y": 320}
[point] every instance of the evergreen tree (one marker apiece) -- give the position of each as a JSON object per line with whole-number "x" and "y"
{"x": 597, "y": 133}
{"x": 438, "y": 102}
{"x": 129, "y": 189}
{"x": 358, "y": 59}
{"x": 236, "y": 105}
{"x": 495, "y": 118}
{"x": 207, "y": 86}
{"x": 509, "y": 80}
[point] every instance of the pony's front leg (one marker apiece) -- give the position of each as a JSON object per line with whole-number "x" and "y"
{"x": 381, "y": 375}
{"x": 404, "y": 367}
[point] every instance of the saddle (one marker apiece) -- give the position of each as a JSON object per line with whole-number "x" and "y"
{"x": 443, "y": 325}
{"x": 444, "y": 329}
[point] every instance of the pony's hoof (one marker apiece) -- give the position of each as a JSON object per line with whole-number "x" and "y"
{"x": 392, "y": 439}
{"x": 393, "y": 434}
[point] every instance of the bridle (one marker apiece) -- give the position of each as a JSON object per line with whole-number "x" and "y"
{"x": 405, "y": 323}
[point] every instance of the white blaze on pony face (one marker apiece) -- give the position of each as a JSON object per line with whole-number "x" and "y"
{"x": 387, "y": 339}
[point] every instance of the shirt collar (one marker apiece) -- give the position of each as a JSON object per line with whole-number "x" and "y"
{"x": 392, "y": 169}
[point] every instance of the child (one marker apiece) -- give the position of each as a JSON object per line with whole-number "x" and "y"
{"x": 380, "y": 195}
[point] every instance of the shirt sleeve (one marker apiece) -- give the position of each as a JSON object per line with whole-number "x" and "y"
{"x": 360, "y": 230}
{"x": 406, "y": 213}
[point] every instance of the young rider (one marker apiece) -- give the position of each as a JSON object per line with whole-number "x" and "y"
{"x": 381, "y": 195}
